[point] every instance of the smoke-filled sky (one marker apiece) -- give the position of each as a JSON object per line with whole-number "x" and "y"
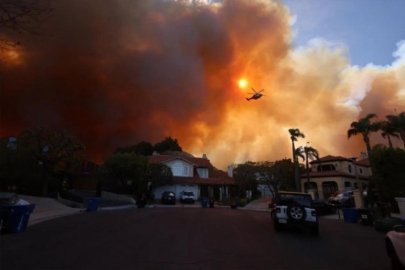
{"x": 114, "y": 73}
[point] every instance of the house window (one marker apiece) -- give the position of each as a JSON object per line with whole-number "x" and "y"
{"x": 361, "y": 171}
{"x": 350, "y": 168}
{"x": 203, "y": 173}
{"x": 179, "y": 170}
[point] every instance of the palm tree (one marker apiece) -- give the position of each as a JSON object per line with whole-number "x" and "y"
{"x": 295, "y": 134}
{"x": 398, "y": 123}
{"x": 307, "y": 153}
{"x": 364, "y": 127}
{"x": 388, "y": 130}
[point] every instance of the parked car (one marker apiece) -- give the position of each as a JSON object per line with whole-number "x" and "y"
{"x": 168, "y": 197}
{"x": 322, "y": 208}
{"x": 187, "y": 196}
{"x": 294, "y": 210}
{"x": 343, "y": 198}
{"x": 395, "y": 246}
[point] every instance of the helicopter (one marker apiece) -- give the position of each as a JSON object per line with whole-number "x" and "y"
{"x": 256, "y": 95}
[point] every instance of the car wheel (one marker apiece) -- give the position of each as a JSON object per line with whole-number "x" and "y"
{"x": 296, "y": 212}
{"x": 395, "y": 263}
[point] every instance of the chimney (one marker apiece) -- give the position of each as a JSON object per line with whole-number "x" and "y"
{"x": 204, "y": 156}
{"x": 230, "y": 171}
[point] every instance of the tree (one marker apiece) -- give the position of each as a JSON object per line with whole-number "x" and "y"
{"x": 142, "y": 149}
{"x": 307, "y": 153}
{"x": 277, "y": 175}
{"x": 168, "y": 144}
{"x": 246, "y": 177}
{"x": 295, "y": 134}
{"x": 389, "y": 164}
{"x": 160, "y": 174}
{"x": 50, "y": 150}
{"x": 388, "y": 130}
{"x": 128, "y": 169}
{"x": 21, "y": 16}
{"x": 364, "y": 127}
{"x": 398, "y": 124}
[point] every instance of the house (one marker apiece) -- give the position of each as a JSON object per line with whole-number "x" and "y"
{"x": 194, "y": 174}
{"x": 333, "y": 173}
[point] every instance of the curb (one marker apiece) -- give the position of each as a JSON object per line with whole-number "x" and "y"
{"x": 116, "y": 207}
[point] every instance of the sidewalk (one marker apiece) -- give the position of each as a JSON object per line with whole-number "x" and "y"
{"x": 48, "y": 208}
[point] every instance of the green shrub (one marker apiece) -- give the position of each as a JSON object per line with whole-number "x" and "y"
{"x": 242, "y": 202}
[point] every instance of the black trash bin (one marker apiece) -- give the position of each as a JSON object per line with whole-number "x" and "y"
{"x": 141, "y": 201}
{"x": 211, "y": 202}
{"x": 14, "y": 218}
{"x": 367, "y": 217}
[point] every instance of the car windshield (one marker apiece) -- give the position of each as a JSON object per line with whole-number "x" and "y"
{"x": 170, "y": 194}
{"x": 287, "y": 199}
{"x": 188, "y": 193}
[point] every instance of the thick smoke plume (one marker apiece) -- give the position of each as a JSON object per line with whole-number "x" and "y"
{"x": 114, "y": 73}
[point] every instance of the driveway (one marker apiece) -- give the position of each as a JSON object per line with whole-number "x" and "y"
{"x": 189, "y": 238}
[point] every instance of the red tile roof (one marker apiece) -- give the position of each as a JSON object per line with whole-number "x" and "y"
{"x": 364, "y": 162}
{"x": 331, "y": 174}
{"x": 329, "y": 158}
{"x": 199, "y": 162}
{"x": 204, "y": 181}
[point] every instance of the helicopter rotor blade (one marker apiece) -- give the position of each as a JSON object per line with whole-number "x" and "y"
{"x": 261, "y": 90}
{"x": 254, "y": 90}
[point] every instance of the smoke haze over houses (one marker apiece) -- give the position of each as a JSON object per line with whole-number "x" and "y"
{"x": 114, "y": 73}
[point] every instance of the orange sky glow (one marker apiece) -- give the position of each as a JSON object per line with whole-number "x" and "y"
{"x": 117, "y": 73}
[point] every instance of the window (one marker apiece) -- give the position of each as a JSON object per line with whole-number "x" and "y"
{"x": 179, "y": 170}
{"x": 203, "y": 173}
{"x": 185, "y": 171}
{"x": 361, "y": 171}
{"x": 350, "y": 168}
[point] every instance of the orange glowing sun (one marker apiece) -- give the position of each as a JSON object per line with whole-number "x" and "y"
{"x": 242, "y": 83}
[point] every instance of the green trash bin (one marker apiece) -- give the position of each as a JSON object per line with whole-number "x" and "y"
{"x": 14, "y": 218}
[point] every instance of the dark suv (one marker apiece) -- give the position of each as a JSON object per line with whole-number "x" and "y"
{"x": 294, "y": 209}
{"x": 168, "y": 197}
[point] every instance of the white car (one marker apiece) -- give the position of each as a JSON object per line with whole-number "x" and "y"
{"x": 294, "y": 209}
{"x": 395, "y": 245}
{"x": 187, "y": 196}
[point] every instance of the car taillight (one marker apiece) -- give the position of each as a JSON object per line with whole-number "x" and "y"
{"x": 313, "y": 213}
{"x": 278, "y": 210}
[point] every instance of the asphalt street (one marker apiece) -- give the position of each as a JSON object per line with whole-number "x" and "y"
{"x": 189, "y": 238}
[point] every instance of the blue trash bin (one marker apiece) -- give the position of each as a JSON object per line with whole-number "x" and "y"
{"x": 204, "y": 202}
{"x": 350, "y": 215}
{"x": 92, "y": 204}
{"x": 14, "y": 218}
